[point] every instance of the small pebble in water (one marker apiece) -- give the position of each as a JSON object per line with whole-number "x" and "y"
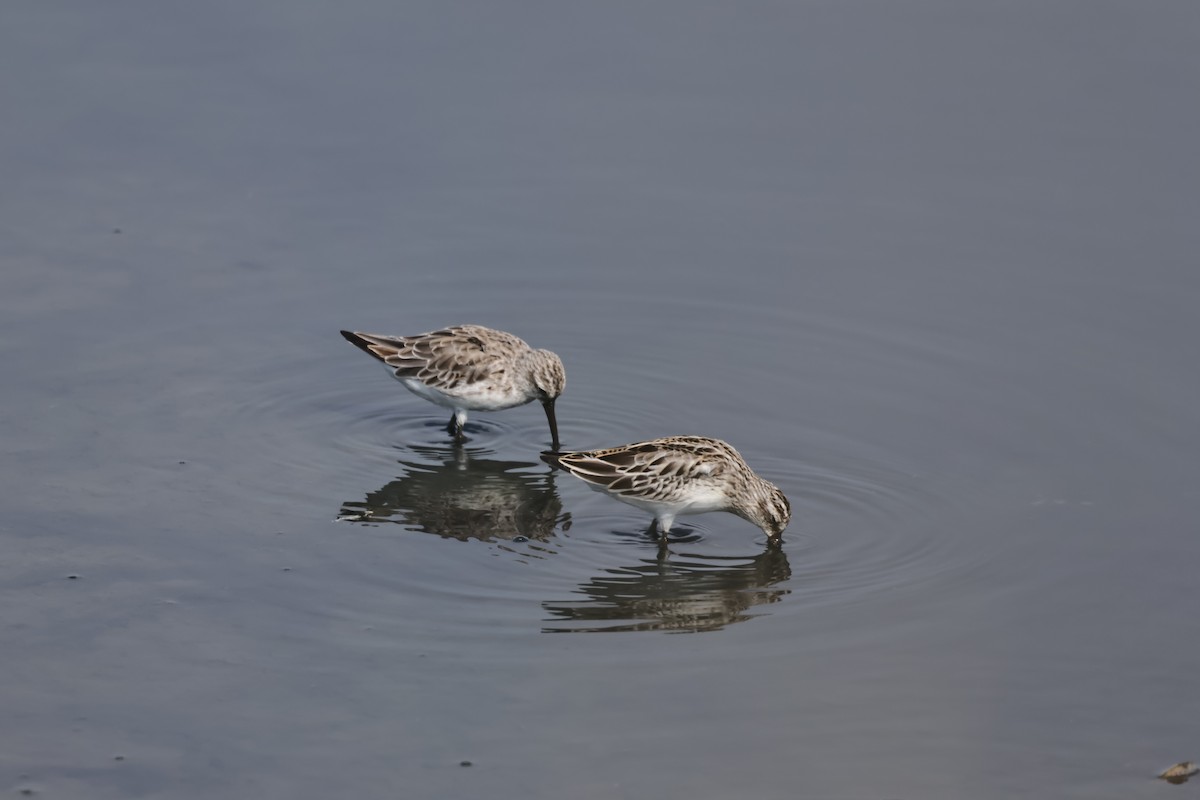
{"x": 464, "y": 763}
{"x": 72, "y": 577}
{"x": 1180, "y": 772}
{"x": 118, "y": 758}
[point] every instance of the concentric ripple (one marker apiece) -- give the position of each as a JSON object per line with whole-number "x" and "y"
{"x": 310, "y": 419}
{"x": 516, "y": 546}
{"x": 858, "y": 529}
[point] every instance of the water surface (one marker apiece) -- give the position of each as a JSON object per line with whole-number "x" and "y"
{"x": 930, "y": 268}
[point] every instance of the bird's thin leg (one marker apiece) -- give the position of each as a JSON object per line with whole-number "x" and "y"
{"x": 659, "y": 530}
{"x": 664, "y": 550}
{"x": 665, "y": 527}
{"x": 652, "y": 531}
{"x": 457, "y": 423}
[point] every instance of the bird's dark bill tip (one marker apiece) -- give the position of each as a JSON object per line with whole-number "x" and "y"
{"x": 548, "y": 405}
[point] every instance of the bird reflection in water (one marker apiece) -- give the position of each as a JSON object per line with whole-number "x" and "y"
{"x": 674, "y": 594}
{"x": 466, "y": 497}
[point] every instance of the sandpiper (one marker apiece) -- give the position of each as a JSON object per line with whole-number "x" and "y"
{"x": 680, "y": 475}
{"x": 470, "y": 368}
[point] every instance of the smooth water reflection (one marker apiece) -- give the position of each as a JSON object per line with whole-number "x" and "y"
{"x": 457, "y": 492}
{"x": 465, "y": 497}
{"x": 929, "y": 289}
{"x": 675, "y": 593}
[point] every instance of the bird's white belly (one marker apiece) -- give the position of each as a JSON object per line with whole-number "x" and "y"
{"x": 476, "y": 397}
{"x": 698, "y": 500}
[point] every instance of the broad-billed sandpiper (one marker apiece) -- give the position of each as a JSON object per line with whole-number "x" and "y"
{"x": 470, "y": 368}
{"x": 680, "y": 475}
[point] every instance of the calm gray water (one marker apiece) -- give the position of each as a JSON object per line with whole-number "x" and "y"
{"x": 931, "y": 267}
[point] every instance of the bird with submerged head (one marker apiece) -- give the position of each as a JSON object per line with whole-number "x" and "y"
{"x": 680, "y": 475}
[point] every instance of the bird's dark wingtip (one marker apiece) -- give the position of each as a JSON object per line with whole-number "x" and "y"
{"x": 551, "y": 457}
{"x": 359, "y": 342}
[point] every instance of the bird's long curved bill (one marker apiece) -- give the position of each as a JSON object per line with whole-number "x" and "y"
{"x": 549, "y": 406}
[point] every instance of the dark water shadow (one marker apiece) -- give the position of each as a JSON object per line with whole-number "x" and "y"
{"x": 465, "y": 497}
{"x": 674, "y": 593}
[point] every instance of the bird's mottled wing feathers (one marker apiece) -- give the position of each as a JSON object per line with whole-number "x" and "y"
{"x": 657, "y": 467}
{"x": 444, "y": 359}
